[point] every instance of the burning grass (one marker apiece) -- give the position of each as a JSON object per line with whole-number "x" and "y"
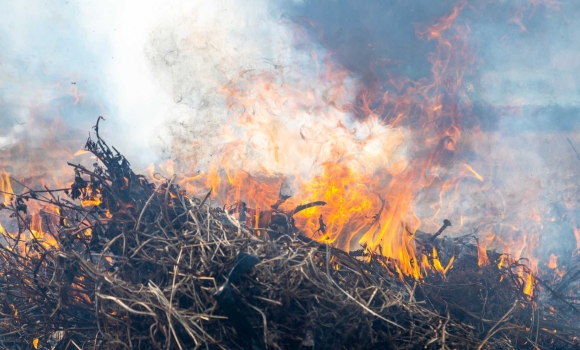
{"x": 120, "y": 263}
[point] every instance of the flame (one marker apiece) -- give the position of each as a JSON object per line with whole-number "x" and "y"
{"x": 529, "y": 285}
{"x": 472, "y": 172}
{"x": 577, "y": 236}
{"x": 437, "y": 264}
{"x": 91, "y": 202}
{"x": 6, "y": 186}
{"x": 482, "y": 258}
{"x": 449, "y": 265}
{"x": 501, "y": 262}
{"x": 552, "y": 263}
{"x": 80, "y": 152}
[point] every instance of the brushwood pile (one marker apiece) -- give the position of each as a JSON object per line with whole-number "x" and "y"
{"x": 150, "y": 267}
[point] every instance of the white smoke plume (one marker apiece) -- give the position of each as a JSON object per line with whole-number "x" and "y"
{"x": 231, "y": 63}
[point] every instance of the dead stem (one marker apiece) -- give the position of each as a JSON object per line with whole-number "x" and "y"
{"x": 151, "y": 282}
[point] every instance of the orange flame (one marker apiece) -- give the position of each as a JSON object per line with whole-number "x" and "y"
{"x": 552, "y": 263}
{"x": 482, "y": 258}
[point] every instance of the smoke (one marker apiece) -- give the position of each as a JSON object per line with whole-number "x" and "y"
{"x": 64, "y": 64}
{"x": 281, "y": 87}
{"x": 214, "y": 61}
{"x": 246, "y": 74}
{"x": 40, "y": 92}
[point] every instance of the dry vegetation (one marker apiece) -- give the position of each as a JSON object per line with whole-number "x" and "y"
{"x": 151, "y": 268}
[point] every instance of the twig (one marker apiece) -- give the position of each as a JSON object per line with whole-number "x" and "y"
{"x": 491, "y": 332}
{"x": 446, "y": 223}
{"x": 205, "y": 198}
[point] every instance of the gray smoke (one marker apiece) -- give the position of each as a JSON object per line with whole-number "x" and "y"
{"x": 177, "y": 79}
{"x": 521, "y": 86}
{"x": 231, "y": 64}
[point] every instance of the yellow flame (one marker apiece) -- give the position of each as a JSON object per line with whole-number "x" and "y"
{"x": 529, "y": 286}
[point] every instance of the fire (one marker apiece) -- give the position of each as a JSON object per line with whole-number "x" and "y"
{"x": 387, "y": 162}
{"x": 394, "y": 235}
{"x": 38, "y": 218}
{"x": 80, "y": 152}
{"x": 91, "y": 202}
{"x": 482, "y": 258}
{"x": 437, "y": 264}
{"x": 552, "y": 263}
{"x": 436, "y": 31}
{"x": 577, "y": 236}
{"x": 501, "y": 262}
{"x": 6, "y": 187}
{"x": 394, "y": 161}
{"x": 529, "y": 285}
{"x": 472, "y": 172}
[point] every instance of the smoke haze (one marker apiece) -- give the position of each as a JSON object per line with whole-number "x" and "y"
{"x": 169, "y": 77}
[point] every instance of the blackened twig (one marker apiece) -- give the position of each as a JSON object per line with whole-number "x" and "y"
{"x": 205, "y": 198}
{"x": 446, "y": 223}
{"x": 321, "y": 226}
{"x": 306, "y": 206}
